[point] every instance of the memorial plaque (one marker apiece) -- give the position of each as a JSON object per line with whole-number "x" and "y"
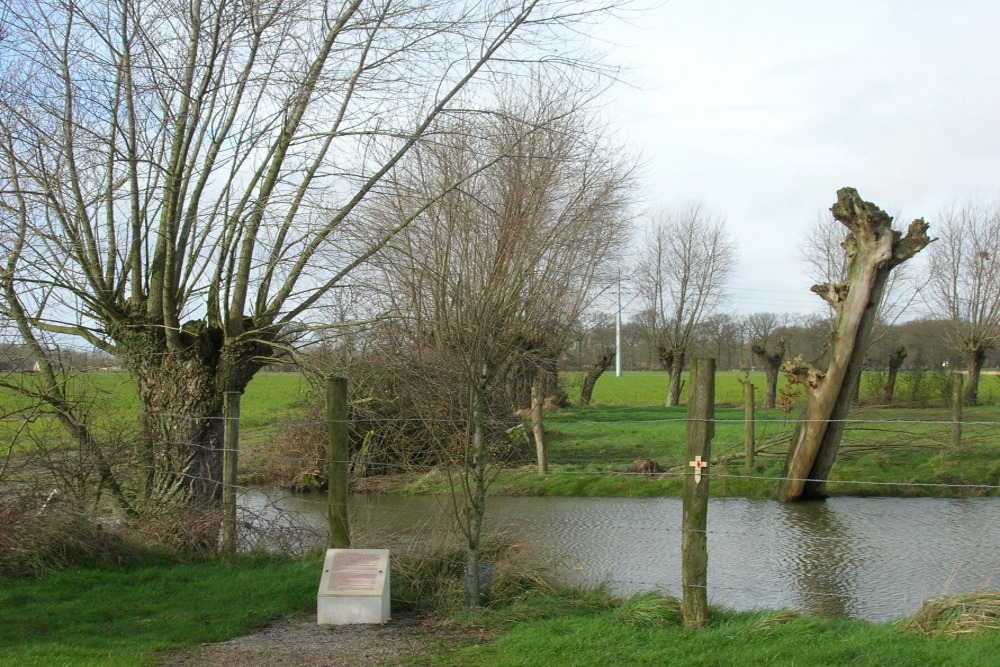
{"x": 354, "y": 587}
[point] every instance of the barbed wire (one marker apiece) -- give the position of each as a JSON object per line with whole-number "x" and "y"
{"x": 736, "y": 420}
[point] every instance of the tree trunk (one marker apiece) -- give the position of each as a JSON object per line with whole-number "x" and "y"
{"x": 975, "y": 356}
{"x": 872, "y": 249}
{"x": 522, "y": 378}
{"x": 475, "y": 498}
{"x": 895, "y": 363}
{"x": 771, "y": 385}
{"x": 604, "y": 362}
{"x": 181, "y": 396}
{"x": 674, "y": 384}
{"x": 538, "y": 422}
{"x": 772, "y": 364}
{"x": 856, "y": 391}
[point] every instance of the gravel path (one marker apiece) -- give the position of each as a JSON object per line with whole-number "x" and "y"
{"x": 299, "y": 641}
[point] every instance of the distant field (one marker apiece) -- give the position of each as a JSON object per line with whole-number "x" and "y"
{"x": 270, "y": 398}
{"x": 886, "y": 446}
{"x": 650, "y": 387}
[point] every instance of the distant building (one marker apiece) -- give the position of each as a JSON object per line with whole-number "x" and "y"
{"x": 19, "y": 366}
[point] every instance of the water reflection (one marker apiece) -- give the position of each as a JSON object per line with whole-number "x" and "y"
{"x": 821, "y": 558}
{"x": 868, "y": 558}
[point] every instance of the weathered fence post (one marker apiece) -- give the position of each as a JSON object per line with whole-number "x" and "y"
{"x": 337, "y": 463}
{"x": 538, "y": 422}
{"x": 748, "y": 426}
{"x": 956, "y": 410}
{"x": 230, "y": 455}
{"x": 694, "y": 539}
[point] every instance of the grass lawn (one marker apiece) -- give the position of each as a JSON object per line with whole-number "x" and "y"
{"x": 581, "y": 629}
{"x": 139, "y": 615}
{"x": 269, "y": 398}
{"x": 107, "y": 616}
{"x": 886, "y": 451}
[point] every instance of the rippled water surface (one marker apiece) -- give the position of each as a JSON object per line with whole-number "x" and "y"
{"x": 868, "y": 558}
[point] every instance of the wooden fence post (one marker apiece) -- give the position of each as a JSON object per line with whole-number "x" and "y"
{"x": 748, "y": 426}
{"x": 956, "y": 410}
{"x": 230, "y": 456}
{"x": 694, "y": 539}
{"x": 337, "y": 463}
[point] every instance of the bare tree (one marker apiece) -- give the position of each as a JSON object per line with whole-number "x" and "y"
{"x": 682, "y": 271}
{"x": 597, "y": 343}
{"x": 499, "y": 270}
{"x": 872, "y": 249}
{"x": 769, "y": 348}
{"x": 896, "y": 359}
{"x": 965, "y": 284}
{"x": 180, "y": 180}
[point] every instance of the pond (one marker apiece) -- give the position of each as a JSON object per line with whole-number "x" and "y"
{"x": 867, "y": 558}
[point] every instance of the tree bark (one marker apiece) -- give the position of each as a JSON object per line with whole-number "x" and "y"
{"x": 872, "y": 250}
{"x": 181, "y": 396}
{"x": 895, "y": 363}
{"x": 974, "y": 355}
{"x": 603, "y": 363}
{"x": 538, "y": 422}
{"x": 672, "y": 360}
{"x": 772, "y": 364}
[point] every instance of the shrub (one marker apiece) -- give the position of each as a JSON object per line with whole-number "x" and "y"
{"x": 44, "y": 533}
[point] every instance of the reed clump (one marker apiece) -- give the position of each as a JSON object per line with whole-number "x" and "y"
{"x": 958, "y": 615}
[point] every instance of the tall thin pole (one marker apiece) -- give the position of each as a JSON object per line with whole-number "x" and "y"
{"x": 618, "y": 330}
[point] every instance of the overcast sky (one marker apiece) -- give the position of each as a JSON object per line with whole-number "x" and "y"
{"x": 762, "y": 110}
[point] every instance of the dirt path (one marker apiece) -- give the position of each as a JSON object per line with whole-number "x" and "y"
{"x": 297, "y": 640}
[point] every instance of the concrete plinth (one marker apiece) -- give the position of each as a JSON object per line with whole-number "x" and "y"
{"x": 354, "y": 587}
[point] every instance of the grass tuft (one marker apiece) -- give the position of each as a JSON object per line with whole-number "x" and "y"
{"x": 649, "y": 610}
{"x": 958, "y": 615}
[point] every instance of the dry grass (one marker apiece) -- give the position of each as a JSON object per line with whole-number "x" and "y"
{"x": 43, "y": 533}
{"x": 968, "y": 614}
{"x": 428, "y": 574}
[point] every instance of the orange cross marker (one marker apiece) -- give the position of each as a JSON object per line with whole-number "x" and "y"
{"x": 698, "y": 464}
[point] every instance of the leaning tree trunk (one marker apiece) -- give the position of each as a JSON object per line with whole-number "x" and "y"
{"x": 975, "y": 356}
{"x": 772, "y": 364}
{"x": 604, "y": 362}
{"x": 872, "y": 249}
{"x": 895, "y": 363}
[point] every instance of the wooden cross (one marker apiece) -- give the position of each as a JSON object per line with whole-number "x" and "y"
{"x": 698, "y": 464}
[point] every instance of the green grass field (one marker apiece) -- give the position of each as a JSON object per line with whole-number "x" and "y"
{"x": 269, "y": 399}
{"x": 112, "y": 616}
{"x": 582, "y": 629}
{"x": 650, "y": 387}
{"x": 886, "y": 451}
{"x": 138, "y": 615}
{"x": 143, "y": 615}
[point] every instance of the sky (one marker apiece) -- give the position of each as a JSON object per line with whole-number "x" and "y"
{"x": 762, "y": 110}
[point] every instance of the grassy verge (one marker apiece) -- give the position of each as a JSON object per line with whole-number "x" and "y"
{"x": 593, "y": 629}
{"x": 105, "y": 616}
{"x": 885, "y": 452}
{"x": 136, "y": 616}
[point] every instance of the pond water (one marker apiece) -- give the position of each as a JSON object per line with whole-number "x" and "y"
{"x": 867, "y": 558}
